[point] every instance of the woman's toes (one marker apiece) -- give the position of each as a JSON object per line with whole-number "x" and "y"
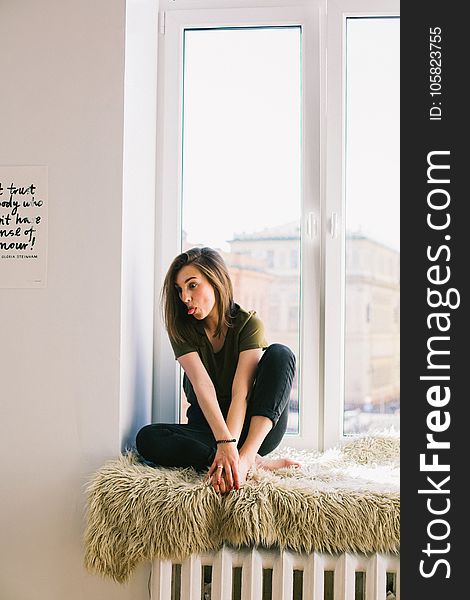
{"x": 243, "y": 467}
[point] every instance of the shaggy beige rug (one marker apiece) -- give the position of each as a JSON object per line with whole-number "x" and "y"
{"x": 345, "y": 499}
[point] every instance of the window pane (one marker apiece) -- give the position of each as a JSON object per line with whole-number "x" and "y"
{"x": 372, "y": 376}
{"x": 241, "y": 167}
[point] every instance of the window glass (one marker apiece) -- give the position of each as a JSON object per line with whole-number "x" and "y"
{"x": 372, "y": 341}
{"x": 241, "y": 191}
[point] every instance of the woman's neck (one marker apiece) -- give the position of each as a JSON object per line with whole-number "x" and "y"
{"x": 211, "y": 322}
{"x": 211, "y": 327}
{"x": 217, "y": 342}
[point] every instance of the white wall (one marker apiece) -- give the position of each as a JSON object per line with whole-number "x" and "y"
{"x": 62, "y": 105}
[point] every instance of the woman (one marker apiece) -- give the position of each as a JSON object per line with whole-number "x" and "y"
{"x": 237, "y": 386}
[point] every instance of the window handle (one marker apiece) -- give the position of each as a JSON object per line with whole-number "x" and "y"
{"x": 311, "y": 225}
{"x": 334, "y": 225}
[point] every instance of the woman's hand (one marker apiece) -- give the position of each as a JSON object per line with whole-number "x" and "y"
{"x": 224, "y": 470}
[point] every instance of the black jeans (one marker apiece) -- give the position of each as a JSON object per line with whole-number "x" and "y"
{"x": 193, "y": 444}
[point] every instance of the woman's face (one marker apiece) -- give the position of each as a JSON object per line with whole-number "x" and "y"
{"x": 195, "y": 292}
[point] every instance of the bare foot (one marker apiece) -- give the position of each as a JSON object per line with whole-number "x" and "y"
{"x": 244, "y": 465}
{"x": 275, "y": 463}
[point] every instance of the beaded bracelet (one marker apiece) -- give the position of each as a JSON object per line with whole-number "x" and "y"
{"x": 225, "y": 441}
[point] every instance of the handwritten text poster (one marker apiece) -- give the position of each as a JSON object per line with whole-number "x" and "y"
{"x": 23, "y": 226}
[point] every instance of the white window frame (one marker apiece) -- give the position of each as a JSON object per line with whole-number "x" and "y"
{"x": 323, "y": 168}
{"x": 169, "y": 185}
{"x": 334, "y": 244}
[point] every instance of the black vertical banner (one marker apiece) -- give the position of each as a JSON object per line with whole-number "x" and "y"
{"x": 435, "y": 252}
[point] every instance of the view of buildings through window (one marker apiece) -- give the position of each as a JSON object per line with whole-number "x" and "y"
{"x": 241, "y": 195}
{"x": 372, "y": 203}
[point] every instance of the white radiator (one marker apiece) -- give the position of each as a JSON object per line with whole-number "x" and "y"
{"x": 251, "y": 574}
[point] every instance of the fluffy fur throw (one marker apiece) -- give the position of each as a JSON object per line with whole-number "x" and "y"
{"x": 345, "y": 499}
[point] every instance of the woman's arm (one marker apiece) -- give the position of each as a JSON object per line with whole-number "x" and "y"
{"x": 205, "y": 394}
{"x": 227, "y": 454}
{"x": 242, "y": 383}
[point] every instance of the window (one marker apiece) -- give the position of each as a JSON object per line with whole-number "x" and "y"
{"x": 241, "y": 163}
{"x": 294, "y": 259}
{"x": 237, "y": 108}
{"x": 372, "y": 387}
{"x": 270, "y": 258}
{"x": 362, "y": 244}
{"x": 244, "y": 143}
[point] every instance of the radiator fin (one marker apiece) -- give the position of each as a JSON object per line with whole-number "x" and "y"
{"x": 260, "y": 574}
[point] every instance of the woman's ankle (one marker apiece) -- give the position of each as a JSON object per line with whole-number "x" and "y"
{"x": 248, "y": 457}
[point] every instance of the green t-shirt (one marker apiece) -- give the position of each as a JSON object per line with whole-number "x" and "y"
{"x": 246, "y": 333}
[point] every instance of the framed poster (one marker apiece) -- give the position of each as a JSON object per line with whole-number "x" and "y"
{"x": 23, "y": 226}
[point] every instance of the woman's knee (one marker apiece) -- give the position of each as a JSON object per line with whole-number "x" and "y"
{"x": 141, "y": 439}
{"x": 280, "y": 354}
{"x": 147, "y": 436}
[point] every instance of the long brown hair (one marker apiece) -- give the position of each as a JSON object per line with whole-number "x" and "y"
{"x": 210, "y": 263}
